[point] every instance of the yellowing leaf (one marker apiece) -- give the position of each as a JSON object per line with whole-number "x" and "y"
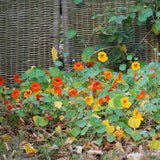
{"x": 58, "y": 130}
{"x": 6, "y": 137}
{"x": 105, "y": 122}
{"x": 34, "y": 118}
{"x": 48, "y": 89}
{"x": 110, "y": 129}
{"x": 134, "y": 123}
{"x": 54, "y": 54}
{"x": 62, "y": 118}
{"x": 29, "y": 148}
{"x": 154, "y": 144}
{"x": 70, "y": 140}
{"x": 123, "y": 48}
{"x": 58, "y": 104}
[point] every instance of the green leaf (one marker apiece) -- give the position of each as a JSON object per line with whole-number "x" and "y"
{"x": 136, "y": 135}
{"x": 44, "y": 107}
{"x": 54, "y": 71}
{"x": 58, "y": 63}
{"x": 113, "y": 118}
{"x": 89, "y": 114}
{"x": 120, "y": 18}
{"x": 70, "y": 114}
{"x": 111, "y": 138}
{"x": 71, "y": 33}
{"x": 158, "y": 14}
{"x": 77, "y": 84}
{"x": 95, "y": 122}
{"x": 122, "y": 67}
{"x": 128, "y": 130}
{"x": 147, "y": 12}
{"x": 87, "y": 53}
{"x": 152, "y": 132}
{"x": 157, "y": 25}
{"x": 101, "y": 129}
{"x": 118, "y": 111}
{"x": 81, "y": 123}
{"x": 157, "y": 115}
{"x": 142, "y": 18}
{"x": 78, "y": 1}
{"x": 76, "y": 131}
{"x": 40, "y": 121}
{"x": 99, "y": 141}
{"x": 151, "y": 107}
{"x": 84, "y": 130}
{"x": 65, "y": 54}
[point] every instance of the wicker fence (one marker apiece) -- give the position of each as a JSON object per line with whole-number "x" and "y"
{"x": 78, "y": 17}
{"x": 30, "y": 28}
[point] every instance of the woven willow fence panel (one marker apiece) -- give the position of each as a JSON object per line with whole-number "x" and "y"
{"x": 29, "y": 29}
{"x": 78, "y": 17}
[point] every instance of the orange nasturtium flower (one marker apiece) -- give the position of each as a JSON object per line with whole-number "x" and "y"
{"x": 102, "y": 56}
{"x": 15, "y": 93}
{"x": 135, "y": 66}
{"x": 98, "y": 32}
{"x": 89, "y": 100}
{"x": 118, "y": 133}
{"x": 141, "y": 95}
{"x": 57, "y": 81}
{"x": 16, "y": 78}
{"x": 137, "y": 115}
{"x": 108, "y": 75}
{"x": 72, "y": 93}
{"x": 2, "y": 81}
{"x": 125, "y": 102}
{"x": 27, "y": 93}
{"x": 78, "y": 66}
{"x": 119, "y": 79}
{"x": 57, "y": 90}
{"x": 35, "y": 86}
{"x": 137, "y": 79}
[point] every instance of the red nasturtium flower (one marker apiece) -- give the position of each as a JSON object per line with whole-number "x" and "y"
{"x": 5, "y": 102}
{"x": 153, "y": 74}
{"x": 35, "y": 86}
{"x": 57, "y": 90}
{"x": 104, "y": 99}
{"x": 113, "y": 87}
{"x": 78, "y": 66}
{"x": 57, "y": 81}
{"x": 134, "y": 77}
{"x": 89, "y": 64}
{"x": 18, "y": 105}
{"x": 46, "y": 72}
{"x": 27, "y": 93}
{"x": 97, "y": 85}
{"x": 141, "y": 95}
{"x": 2, "y": 81}
{"x": 16, "y": 78}
{"x": 72, "y": 93}
{"x": 38, "y": 97}
{"x": 10, "y": 106}
{"x": 15, "y": 93}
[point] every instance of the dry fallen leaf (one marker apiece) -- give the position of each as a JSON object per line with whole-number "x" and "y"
{"x": 79, "y": 149}
{"x": 95, "y": 152}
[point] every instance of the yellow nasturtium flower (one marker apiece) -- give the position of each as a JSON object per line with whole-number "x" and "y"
{"x": 125, "y": 102}
{"x": 137, "y": 115}
{"x": 102, "y": 56}
{"x": 135, "y": 66}
{"x": 89, "y": 100}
